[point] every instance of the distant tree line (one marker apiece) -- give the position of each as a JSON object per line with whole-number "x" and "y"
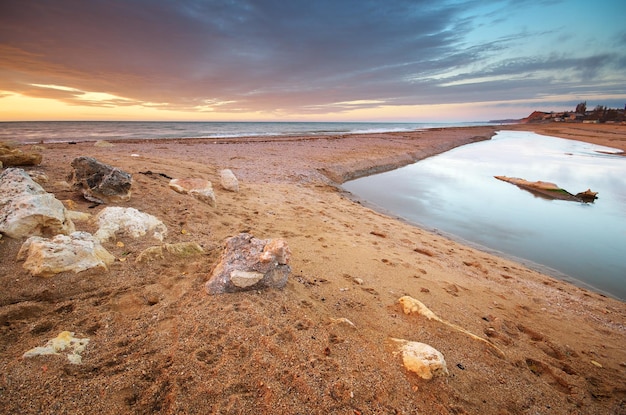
{"x": 601, "y": 113}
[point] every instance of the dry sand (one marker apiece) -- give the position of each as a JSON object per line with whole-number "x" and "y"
{"x": 160, "y": 344}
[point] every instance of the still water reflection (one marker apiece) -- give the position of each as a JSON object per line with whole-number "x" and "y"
{"x": 457, "y": 193}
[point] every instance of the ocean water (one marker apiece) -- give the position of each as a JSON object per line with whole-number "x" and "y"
{"x": 64, "y": 131}
{"x": 456, "y": 193}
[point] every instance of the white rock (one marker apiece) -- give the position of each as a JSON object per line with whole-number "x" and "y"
{"x": 243, "y": 279}
{"x": 422, "y": 359}
{"x": 228, "y": 180}
{"x": 201, "y": 189}
{"x": 63, "y": 341}
{"x": 77, "y": 252}
{"x": 127, "y": 221}
{"x": 412, "y": 306}
{"x": 26, "y": 209}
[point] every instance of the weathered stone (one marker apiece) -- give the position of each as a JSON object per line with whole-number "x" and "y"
{"x": 229, "y": 181}
{"x": 77, "y": 216}
{"x": 422, "y": 359}
{"x": 245, "y": 279}
{"x": 178, "y": 250}
{"x": 26, "y": 209}
{"x": 77, "y": 252}
{"x": 65, "y": 340}
{"x": 248, "y": 263}
{"x": 103, "y": 144}
{"x": 16, "y": 182}
{"x": 184, "y": 249}
{"x": 38, "y": 176}
{"x": 100, "y": 182}
{"x": 201, "y": 189}
{"x": 11, "y": 156}
{"x": 412, "y": 306}
{"x": 152, "y": 253}
{"x": 63, "y": 185}
{"x": 127, "y": 221}
{"x": 276, "y": 250}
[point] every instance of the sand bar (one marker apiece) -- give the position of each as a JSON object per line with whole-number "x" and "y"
{"x": 159, "y": 344}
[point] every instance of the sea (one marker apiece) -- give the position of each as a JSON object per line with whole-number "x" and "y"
{"x": 32, "y": 132}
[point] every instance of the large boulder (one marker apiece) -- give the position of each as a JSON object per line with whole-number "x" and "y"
{"x": 201, "y": 189}
{"x": 100, "y": 182}
{"x": 26, "y": 209}
{"x": 77, "y": 252}
{"x": 115, "y": 220}
{"x": 248, "y": 263}
{"x": 11, "y": 156}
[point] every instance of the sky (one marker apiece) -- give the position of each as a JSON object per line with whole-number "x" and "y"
{"x": 308, "y": 60}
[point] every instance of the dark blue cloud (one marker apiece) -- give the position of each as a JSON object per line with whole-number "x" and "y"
{"x": 294, "y": 56}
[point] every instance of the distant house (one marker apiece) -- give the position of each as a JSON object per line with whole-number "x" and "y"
{"x": 597, "y": 116}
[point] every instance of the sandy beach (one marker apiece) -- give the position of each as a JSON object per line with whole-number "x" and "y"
{"x": 160, "y": 344}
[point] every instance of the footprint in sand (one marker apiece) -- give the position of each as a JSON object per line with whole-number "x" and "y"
{"x": 547, "y": 371}
{"x": 544, "y": 371}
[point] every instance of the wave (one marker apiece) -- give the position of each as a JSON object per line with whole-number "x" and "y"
{"x": 65, "y": 131}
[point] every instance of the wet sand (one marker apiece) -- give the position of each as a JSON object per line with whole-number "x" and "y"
{"x": 160, "y": 344}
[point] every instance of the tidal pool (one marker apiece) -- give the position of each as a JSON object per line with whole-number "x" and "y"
{"x": 456, "y": 192}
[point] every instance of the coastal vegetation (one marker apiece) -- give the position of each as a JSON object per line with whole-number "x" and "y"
{"x": 599, "y": 114}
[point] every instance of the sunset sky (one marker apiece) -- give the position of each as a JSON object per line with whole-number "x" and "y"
{"x": 309, "y": 60}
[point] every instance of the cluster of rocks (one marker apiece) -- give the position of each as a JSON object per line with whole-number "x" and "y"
{"x": 202, "y": 189}
{"x": 246, "y": 263}
{"x": 54, "y": 245}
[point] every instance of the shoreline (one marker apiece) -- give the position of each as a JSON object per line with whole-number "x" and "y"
{"x": 159, "y": 343}
{"x": 535, "y": 266}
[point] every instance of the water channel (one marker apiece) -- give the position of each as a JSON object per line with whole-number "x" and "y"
{"x": 456, "y": 192}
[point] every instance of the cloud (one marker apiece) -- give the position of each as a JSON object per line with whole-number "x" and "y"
{"x": 275, "y": 55}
